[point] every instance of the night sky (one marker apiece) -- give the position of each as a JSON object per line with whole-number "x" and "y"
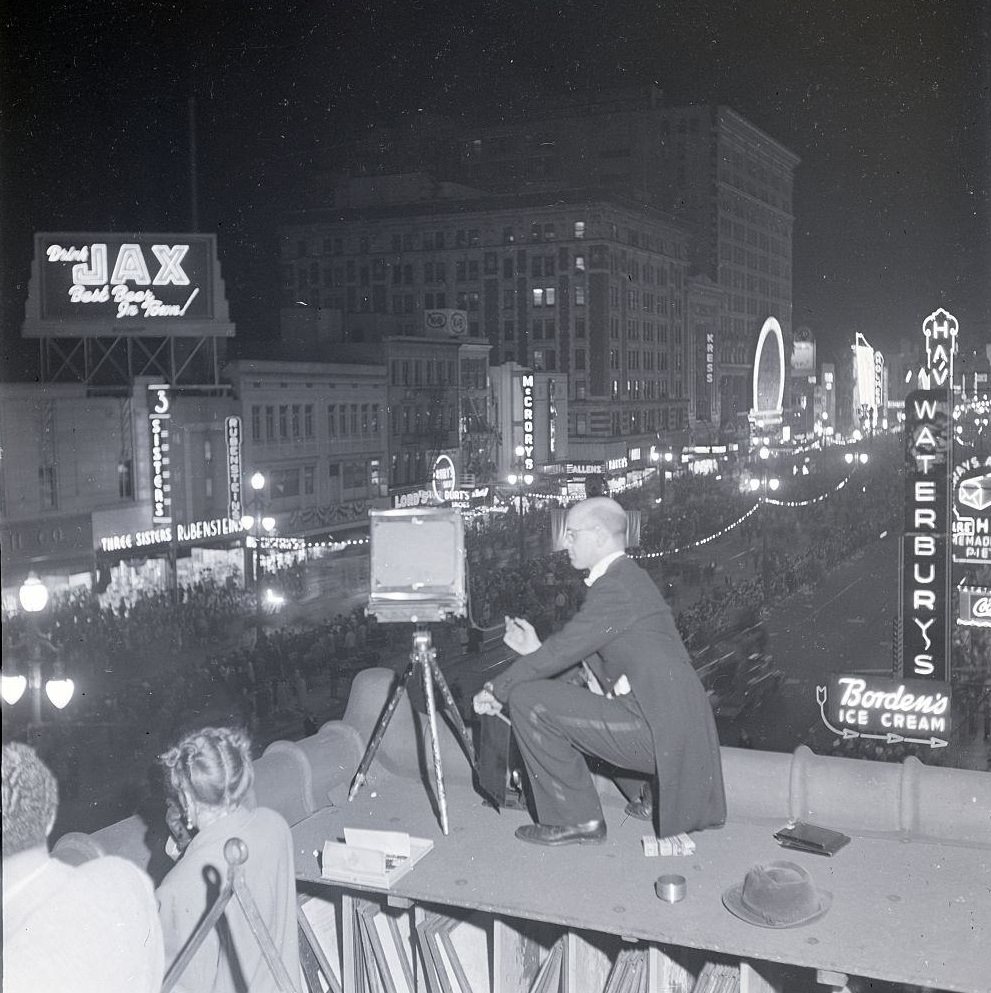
{"x": 888, "y": 104}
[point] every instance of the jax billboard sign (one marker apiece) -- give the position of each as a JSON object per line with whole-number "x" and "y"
{"x": 86, "y": 285}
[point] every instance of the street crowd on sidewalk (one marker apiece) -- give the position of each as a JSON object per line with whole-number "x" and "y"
{"x": 163, "y": 661}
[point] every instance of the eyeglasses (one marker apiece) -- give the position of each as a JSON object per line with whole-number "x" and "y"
{"x": 571, "y": 533}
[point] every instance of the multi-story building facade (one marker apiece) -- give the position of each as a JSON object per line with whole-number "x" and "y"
{"x": 530, "y": 410}
{"x": 591, "y": 287}
{"x": 710, "y": 168}
{"x": 81, "y": 494}
{"x": 317, "y": 432}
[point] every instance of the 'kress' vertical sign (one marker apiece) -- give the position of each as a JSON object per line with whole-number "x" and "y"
{"x": 160, "y": 424}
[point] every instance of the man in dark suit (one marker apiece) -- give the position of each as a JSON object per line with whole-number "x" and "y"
{"x": 651, "y": 714}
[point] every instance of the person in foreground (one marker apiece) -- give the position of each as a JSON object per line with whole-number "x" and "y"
{"x": 643, "y": 709}
{"x": 210, "y": 772}
{"x": 90, "y": 928}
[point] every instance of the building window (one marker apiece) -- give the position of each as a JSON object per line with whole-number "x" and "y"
{"x": 579, "y": 295}
{"x": 256, "y": 423}
{"x": 283, "y": 421}
{"x": 308, "y": 421}
{"x": 296, "y": 426}
{"x": 579, "y": 229}
{"x": 309, "y": 475}
{"x": 285, "y": 483}
{"x": 270, "y": 423}
{"x": 332, "y": 420}
{"x": 125, "y": 479}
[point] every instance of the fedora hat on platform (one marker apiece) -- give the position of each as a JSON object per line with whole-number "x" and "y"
{"x": 777, "y": 894}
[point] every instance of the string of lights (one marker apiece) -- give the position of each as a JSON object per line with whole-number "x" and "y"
{"x": 356, "y": 542}
{"x": 701, "y": 541}
{"x": 808, "y": 503}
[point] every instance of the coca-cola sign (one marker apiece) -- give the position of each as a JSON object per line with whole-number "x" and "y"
{"x": 975, "y": 607}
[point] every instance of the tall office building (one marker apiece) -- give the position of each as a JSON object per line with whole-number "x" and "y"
{"x": 592, "y": 287}
{"x": 719, "y": 175}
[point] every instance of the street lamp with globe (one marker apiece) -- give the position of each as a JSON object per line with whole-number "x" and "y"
{"x": 33, "y": 598}
{"x": 257, "y": 523}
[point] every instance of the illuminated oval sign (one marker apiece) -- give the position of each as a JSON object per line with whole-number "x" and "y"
{"x": 444, "y": 479}
{"x": 769, "y": 371}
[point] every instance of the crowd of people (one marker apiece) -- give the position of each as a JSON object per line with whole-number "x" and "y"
{"x": 155, "y": 664}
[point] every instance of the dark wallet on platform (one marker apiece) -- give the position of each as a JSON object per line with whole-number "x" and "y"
{"x": 811, "y": 838}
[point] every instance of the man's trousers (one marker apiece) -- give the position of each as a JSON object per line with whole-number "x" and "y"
{"x": 556, "y": 725}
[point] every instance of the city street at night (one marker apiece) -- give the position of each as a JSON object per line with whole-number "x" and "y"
{"x": 496, "y": 498}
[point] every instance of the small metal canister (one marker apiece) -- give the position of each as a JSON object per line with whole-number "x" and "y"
{"x": 670, "y": 889}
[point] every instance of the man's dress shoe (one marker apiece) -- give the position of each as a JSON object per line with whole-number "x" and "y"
{"x": 589, "y": 833}
{"x": 642, "y": 808}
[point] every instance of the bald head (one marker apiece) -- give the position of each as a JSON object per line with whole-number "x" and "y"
{"x": 594, "y": 529}
{"x": 602, "y": 512}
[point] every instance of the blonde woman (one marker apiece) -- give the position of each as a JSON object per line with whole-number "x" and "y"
{"x": 210, "y": 772}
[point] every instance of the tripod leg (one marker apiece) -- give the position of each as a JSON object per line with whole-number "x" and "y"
{"x": 428, "y": 693}
{"x": 452, "y": 709}
{"x": 380, "y": 728}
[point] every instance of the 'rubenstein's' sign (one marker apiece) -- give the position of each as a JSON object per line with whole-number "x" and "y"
{"x": 89, "y": 285}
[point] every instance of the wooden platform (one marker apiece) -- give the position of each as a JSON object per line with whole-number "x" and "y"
{"x": 907, "y": 912}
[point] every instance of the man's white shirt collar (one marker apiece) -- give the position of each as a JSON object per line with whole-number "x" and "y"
{"x": 600, "y": 567}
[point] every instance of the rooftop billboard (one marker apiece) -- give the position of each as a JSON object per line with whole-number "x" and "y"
{"x": 141, "y": 285}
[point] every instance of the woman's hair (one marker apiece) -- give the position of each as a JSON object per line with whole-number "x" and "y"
{"x": 212, "y": 765}
{"x": 30, "y": 798}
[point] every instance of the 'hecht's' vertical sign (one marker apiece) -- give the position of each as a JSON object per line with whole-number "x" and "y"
{"x": 160, "y": 422}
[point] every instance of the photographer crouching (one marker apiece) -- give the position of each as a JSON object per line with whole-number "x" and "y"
{"x": 643, "y": 709}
